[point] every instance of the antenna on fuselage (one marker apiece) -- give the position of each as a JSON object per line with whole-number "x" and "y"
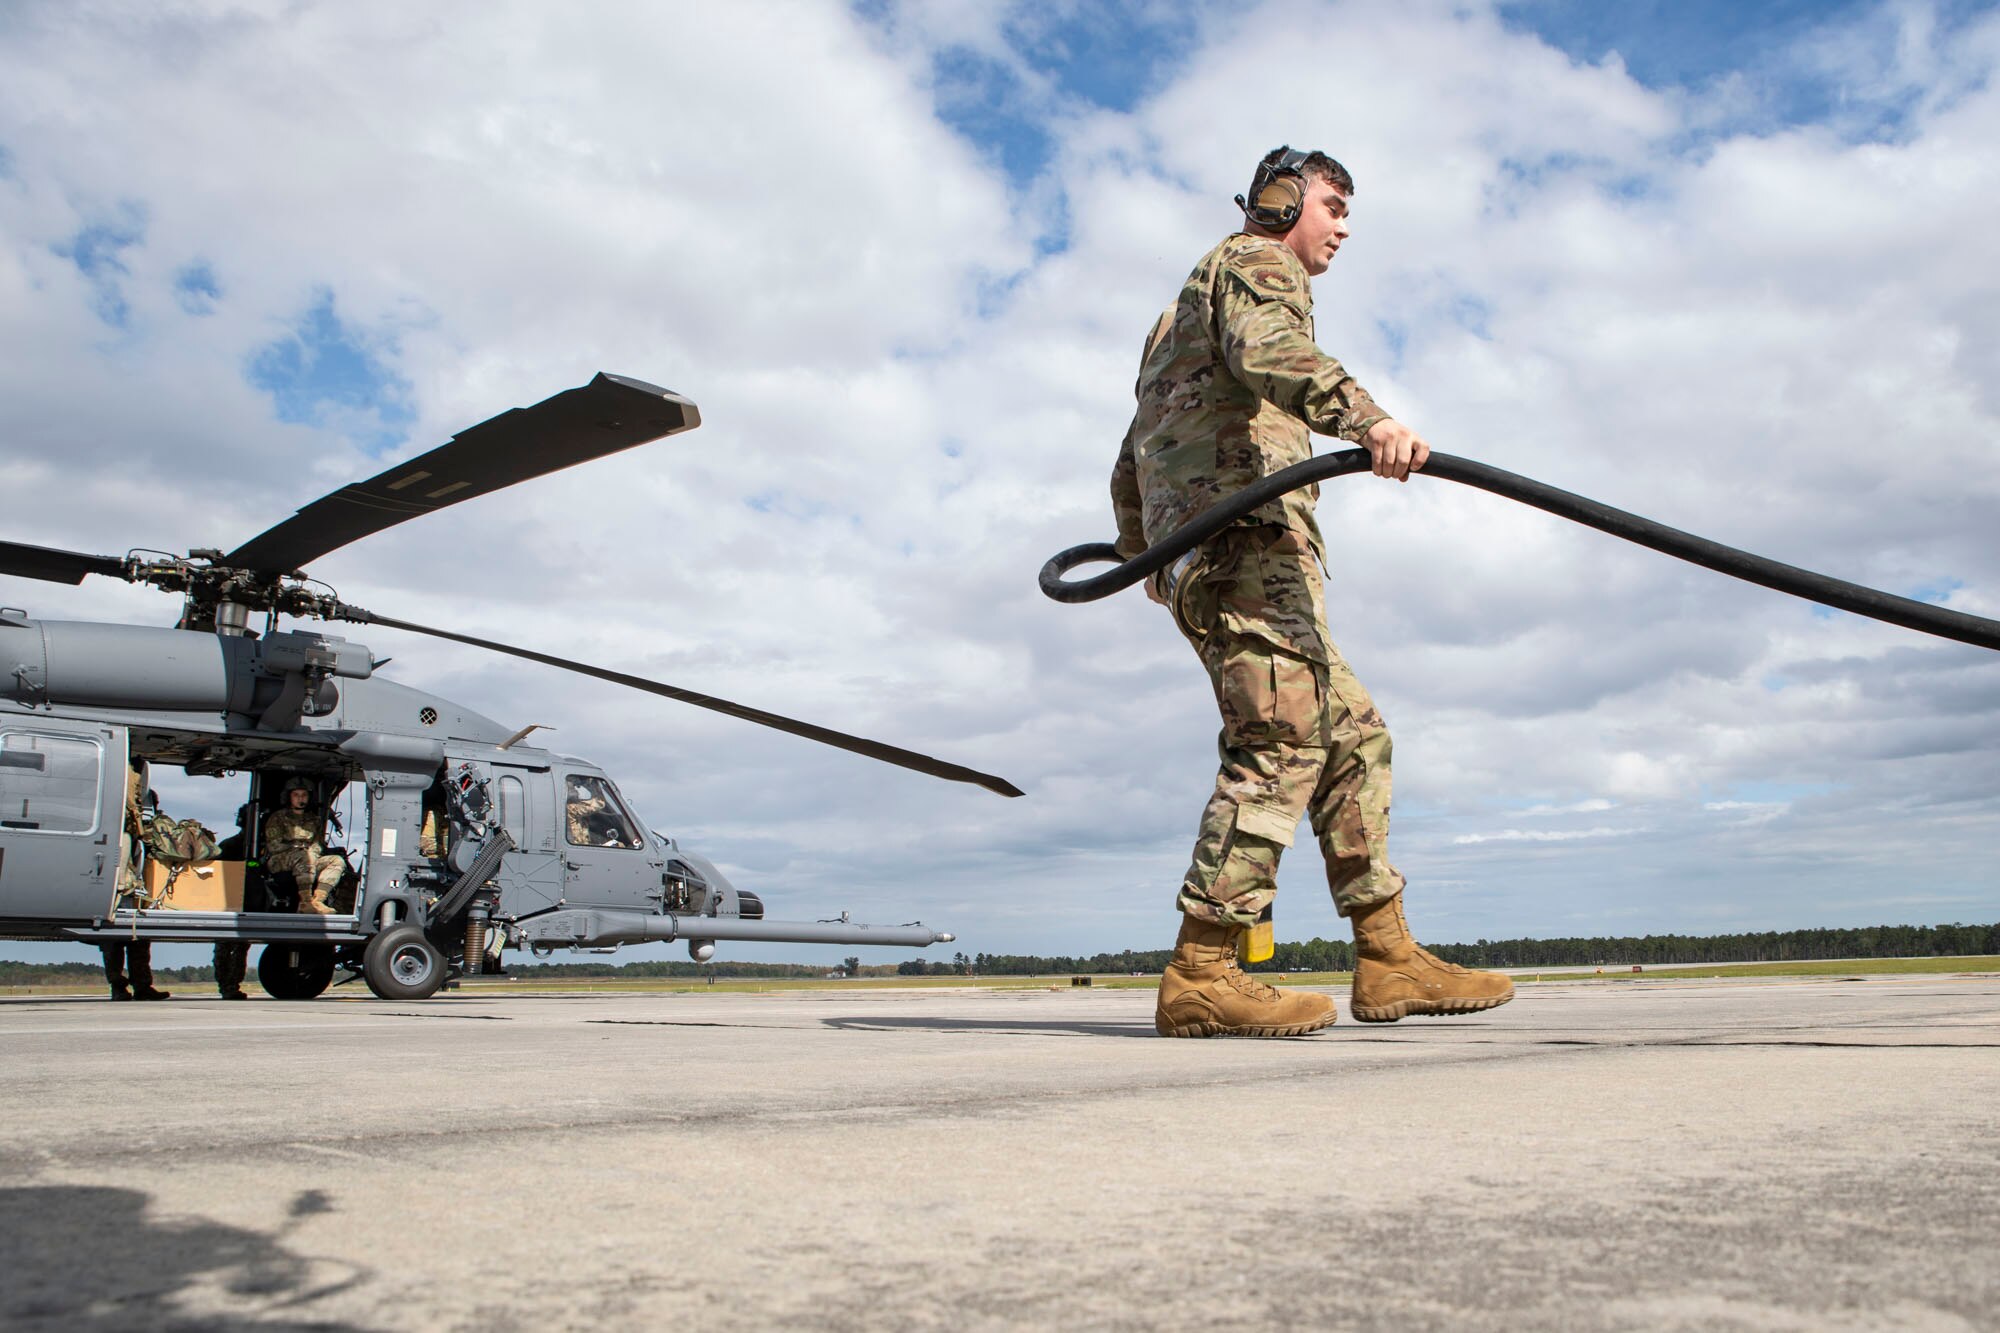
{"x": 522, "y": 735}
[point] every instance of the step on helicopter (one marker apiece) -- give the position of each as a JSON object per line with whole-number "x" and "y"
{"x": 476, "y": 839}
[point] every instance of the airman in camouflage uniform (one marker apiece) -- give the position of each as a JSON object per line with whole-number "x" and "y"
{"x": 585, "y": 803}
{"x": 128, "y": 964}
{"x": 1230, "y": 390}
{"x": 292, "y": 844}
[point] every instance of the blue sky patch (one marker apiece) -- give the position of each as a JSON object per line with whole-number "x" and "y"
{"x": 983, "y": 99}
{"x": 993, "y": 290}
{"x": 196, "y": 289}
{"x": 1768, "y": 793}
{"x": 1396, "y": 337}
{"x": 1539, "y": 171}
{"x": 1472, "y": 314}
{"x": 1629, "y": 187}
{"x": 1937, "y": 590}
{"x": 328, "y": 373}
{"x": 97, "y": 250}
{"x": 781, "y": 503}
{"x": 1693, "y": 44}
{"x": 1112, "y": 54}
{"x": 1676, "y": 43}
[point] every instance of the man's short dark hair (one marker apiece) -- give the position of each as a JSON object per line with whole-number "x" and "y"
{"x": 1318, "y": 166}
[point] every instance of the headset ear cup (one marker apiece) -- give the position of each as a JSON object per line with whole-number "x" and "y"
{"x": 1277, "y": 204}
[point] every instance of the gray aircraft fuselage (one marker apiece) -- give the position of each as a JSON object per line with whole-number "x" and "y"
{"x": 79, "y": 700}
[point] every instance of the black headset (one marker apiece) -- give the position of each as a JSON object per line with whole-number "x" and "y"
{"x": 1278, "y": 191}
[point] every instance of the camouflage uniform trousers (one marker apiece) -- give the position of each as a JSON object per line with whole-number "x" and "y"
{"x": 310, "y": 871}
{"x": 128, "y": 965}
{"x": 232, "y": 958}
{"x": 1300, "y": 738}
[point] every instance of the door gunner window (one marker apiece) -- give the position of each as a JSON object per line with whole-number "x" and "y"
{"x": 48, "y": 783}
{"x": 595, "y": 817}
{"x": 513, "y": 807}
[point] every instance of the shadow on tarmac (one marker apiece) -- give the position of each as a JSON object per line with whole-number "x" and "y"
{"x": 95, "y": 1258}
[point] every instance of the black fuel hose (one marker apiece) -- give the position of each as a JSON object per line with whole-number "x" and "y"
{"x": 1921, "y": 616}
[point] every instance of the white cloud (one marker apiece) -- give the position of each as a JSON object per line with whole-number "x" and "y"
{"x": 1781, "y": 339}
{"x": 1542, "y": 835}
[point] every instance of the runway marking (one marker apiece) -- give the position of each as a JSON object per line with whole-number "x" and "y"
{"x": 330, "y": 1152}
{"x": 1005, "y": 1028}
{"x": 1859, "y": 1045}
{"x": 693, "y": 1023}
{"x": 177, "y": 1032}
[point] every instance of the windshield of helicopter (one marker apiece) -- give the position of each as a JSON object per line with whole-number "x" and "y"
{"x": 596, "y": 815}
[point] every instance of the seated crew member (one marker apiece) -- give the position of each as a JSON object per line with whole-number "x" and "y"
{"x": 595, "y": 819}
{"x": 293, "y": 843}
{"x": 586, "y": 805}
{"x": 432, "y": 840}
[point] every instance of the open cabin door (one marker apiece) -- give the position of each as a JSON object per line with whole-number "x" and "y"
{"x": 519, "y": 796}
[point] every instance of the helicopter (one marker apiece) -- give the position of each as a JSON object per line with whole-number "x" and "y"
{"x": 476, "y": 839}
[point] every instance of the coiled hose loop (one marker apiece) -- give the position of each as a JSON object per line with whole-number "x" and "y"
{"x": 1841, "y": 595}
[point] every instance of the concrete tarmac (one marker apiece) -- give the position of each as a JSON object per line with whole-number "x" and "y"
{"x": 1650, "y": 1155}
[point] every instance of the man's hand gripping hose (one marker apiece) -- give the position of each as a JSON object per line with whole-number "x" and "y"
{"x": 1833, "y": 592}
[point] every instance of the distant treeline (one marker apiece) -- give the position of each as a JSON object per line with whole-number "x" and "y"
{"x": 1314, "y": 955}
{"x": 1317, "y": 955}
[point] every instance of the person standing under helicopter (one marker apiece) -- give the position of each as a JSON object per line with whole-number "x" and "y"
{"x": 293, "y": 844}
{"x": 128, "y": 963}
{"x": 1230, "y": 389}
{"x": 232, "y": 957}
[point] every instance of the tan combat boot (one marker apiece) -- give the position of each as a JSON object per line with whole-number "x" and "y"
{"x": 1394, "y": 977}
{"x": 313, "y": 901}
{"x": 1203, "y": 993}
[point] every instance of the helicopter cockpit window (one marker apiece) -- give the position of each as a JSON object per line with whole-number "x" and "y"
{"x": 595, "y": 816}
{"x": 48, "y": 783}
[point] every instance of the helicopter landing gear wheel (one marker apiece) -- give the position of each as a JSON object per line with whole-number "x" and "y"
{"x": 402, "y": 964}
{"x": 295, "y": 971}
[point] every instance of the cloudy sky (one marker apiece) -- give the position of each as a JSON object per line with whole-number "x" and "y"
{"x": 1727, "y": 266}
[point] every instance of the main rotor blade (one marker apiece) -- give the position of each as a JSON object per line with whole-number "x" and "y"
{"x": 45, "y": 562}
{"x": 840, "y": 740}
{"x": 610, "y": 413}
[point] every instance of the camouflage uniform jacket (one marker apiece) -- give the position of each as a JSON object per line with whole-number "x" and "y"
{"x": 293, "y": 831}
{"x": 580, "y": 811}
{"x": 135, "y": 812}
{"x": 1231, "y": 388}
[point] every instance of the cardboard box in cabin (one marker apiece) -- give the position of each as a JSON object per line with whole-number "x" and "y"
{"x": 201, "y": 886}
